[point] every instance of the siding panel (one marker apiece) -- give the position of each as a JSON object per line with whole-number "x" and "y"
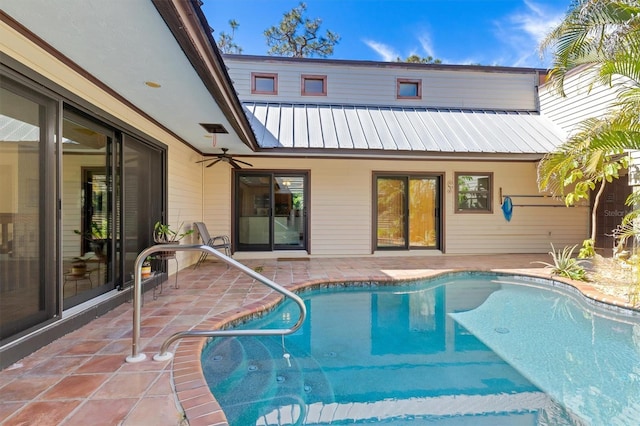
{"x": 375, "y": 83}
{"x": 341, "y": 207}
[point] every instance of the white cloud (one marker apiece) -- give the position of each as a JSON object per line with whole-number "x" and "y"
{"x": 522, "y": 31}
{"x": 387, "y": 53}
{"x": 390, "y": 54}
{"x": 536, "y": 21}
{"x": 427, "y": 46}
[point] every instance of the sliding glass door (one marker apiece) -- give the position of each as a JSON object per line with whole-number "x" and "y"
{"x": 143, "y": 200}
{"x": 87, "y": 208}
{"x": 270, "y": 211}
{"x": 407, "y": 212}
{"x": 78, "y": 200}
{"x": 27, "y": 245}
{"x": 112, "y": 194}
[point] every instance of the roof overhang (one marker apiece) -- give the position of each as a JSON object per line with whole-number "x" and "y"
{"x": 119, "y": 46}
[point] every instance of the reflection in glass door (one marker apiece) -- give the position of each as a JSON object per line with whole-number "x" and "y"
{"x": 288, "y": 218}
{"x": 26, "y": 249}
{"x": 86, "y": 209}
{"x": 270, "y": 211}
{"x": 391, "y": 212}
{"x": 253, "y": 201}
{"x": 407, "y": 212}
{"x": 143, "y": 201}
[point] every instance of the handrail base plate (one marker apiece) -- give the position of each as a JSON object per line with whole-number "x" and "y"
{"x": 138, "y": 358}
{"x": 163, "y": 357}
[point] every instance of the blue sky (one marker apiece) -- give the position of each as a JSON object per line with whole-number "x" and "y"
{"x": 486, "y": 32}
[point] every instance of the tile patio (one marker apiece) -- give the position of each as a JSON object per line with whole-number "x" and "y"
{"x": 82, "y": 378}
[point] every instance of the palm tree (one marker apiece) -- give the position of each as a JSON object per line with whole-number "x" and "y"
{"x": 601, "y": 37}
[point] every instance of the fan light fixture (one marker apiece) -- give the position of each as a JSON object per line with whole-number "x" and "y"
{"x": 225, "y": 158}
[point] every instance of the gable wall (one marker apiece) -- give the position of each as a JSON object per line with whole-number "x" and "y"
{"x": 376, "y": 85}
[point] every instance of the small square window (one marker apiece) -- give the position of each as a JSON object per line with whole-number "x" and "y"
{"x": 265, "y": 84}
{"x": 409, "y": 89}
{"x": 314, "y": 85}
{"x": 474, "y": 192}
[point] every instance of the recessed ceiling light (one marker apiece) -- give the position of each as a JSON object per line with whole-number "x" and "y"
{"x": 152, "y": 84}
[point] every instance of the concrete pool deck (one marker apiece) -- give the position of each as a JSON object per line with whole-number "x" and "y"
{"x": 82, "y": 378}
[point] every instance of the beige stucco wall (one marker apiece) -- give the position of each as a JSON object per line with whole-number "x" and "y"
{"x": 340, "y": 207}
{"x": 185, "y": 180}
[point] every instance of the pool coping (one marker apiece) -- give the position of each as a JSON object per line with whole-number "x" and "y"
{"x": 200, "y": 405}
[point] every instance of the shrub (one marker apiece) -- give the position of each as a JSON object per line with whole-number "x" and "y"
{"x": 565, "y": 265}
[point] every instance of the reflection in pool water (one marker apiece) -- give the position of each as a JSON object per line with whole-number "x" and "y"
{"x": 472, "y": 349}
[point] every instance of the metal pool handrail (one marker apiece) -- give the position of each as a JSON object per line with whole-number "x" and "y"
{"x": 164, "y": 354}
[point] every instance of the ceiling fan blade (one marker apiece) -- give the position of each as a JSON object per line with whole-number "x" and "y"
{"x": 202, "y": 161}
{"x": 214, "y": 162}
{"x": 243, "y": 162}
{"x": 234, "y": 164}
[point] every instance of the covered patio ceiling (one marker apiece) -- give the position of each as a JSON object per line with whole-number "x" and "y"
{"x": 129, "y": 46}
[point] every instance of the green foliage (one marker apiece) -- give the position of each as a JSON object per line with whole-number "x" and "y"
{"x": 297, "y": 36}
{"x": 565, "y": 265}
{"x": 415, "y": 59}
{"x": 602, "y": 37}
{"x": 162, "y": 233}
{"x": 225, "y": 40}
{"x": 588, "y": 249}
{"x": 98, "y": 231}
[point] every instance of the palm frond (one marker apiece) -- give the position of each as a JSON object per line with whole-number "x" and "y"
{"x": 593, "y": 32}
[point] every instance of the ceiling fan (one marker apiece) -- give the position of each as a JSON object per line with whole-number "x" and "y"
{"x": 225, "y": 158}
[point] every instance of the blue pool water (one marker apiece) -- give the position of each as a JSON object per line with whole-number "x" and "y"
{"x": 466, "y": 349}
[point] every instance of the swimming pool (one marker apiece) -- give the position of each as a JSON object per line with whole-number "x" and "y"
{"x": 464, "y": 349}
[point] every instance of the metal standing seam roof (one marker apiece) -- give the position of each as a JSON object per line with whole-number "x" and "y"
{"x": 411, "y": 129}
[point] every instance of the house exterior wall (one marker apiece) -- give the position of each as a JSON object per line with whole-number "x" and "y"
{"x": 341, "y": 194}
{"x": 583, "y": 100}
{"x": 341, "y": 207}
{"x": 375, "y": 84}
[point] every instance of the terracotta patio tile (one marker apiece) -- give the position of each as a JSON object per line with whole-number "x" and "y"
{"x": 156, "y": 411}
{"x": 9, "y": 408}
{"x": 59, "y": 365}
{"x": 162, "y": 385}
{"x": 102, "y": 411}
{"x": 126, "y": 385}
{"x": 27, "y": 389}
{"x": 101, "y": 364}
{"x": 43, "y": 413}
{"x": 120, "y": 346}
{"x": 76, "y": 386}
{"x": 86, "y": 347}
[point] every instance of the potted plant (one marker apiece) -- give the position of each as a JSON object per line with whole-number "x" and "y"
{"x": 97, "y": 236}
{"x": 164, "y": 234}
{"x": 78, "y": 267}
{"x": 146, "y": 268}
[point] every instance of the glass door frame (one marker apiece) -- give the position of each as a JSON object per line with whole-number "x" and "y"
{"x": 271, "y": 210}
{"x": 438, "y": 210}
{"x": 44, "y": 192}
{"x": 106, "y": 267}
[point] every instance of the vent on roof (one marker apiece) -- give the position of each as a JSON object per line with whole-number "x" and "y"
{"x": 214, "y": 128}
